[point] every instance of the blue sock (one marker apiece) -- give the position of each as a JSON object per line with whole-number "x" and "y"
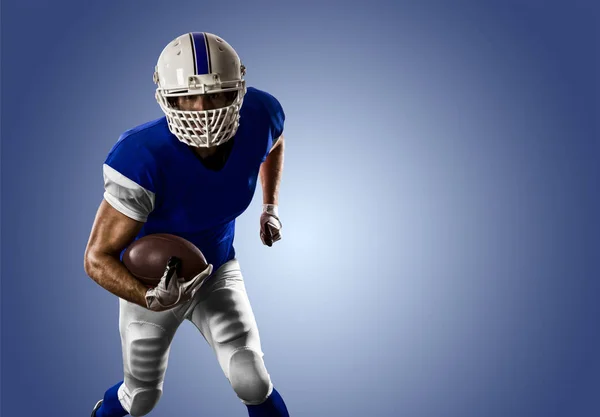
{"x": 272, "y": 407}
{"x": 111, "y": 406}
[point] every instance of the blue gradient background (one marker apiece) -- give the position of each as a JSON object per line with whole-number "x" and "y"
{"x": 440, "y": 204}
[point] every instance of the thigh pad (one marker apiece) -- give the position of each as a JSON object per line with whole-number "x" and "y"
{"x": 148, "y": 347}
{"x": 229, "y": 315}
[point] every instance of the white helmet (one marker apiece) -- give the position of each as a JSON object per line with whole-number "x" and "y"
{"x": 200, "y": 63}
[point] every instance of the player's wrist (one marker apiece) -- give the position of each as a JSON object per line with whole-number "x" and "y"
{"x": 145, "y": 296}
{"x": 271, "y": 209}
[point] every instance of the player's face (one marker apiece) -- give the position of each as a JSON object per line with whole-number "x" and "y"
{"x": 202, "y": 102}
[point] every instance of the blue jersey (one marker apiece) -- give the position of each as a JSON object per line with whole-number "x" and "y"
{"x": 153, "y": 177}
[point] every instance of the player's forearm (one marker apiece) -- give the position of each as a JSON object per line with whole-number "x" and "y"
{"x": 270, "y": 174}
{"x": 110, "y": 273}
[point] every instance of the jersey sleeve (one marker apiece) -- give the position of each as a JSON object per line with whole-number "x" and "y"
{"x": 130, "y": 179}
{"x": 276, "y": 119}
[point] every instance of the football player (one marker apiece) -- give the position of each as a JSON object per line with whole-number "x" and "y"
{"x": 191, "y": 174}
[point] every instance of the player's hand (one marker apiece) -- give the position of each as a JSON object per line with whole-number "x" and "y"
{"x": 173, "y": 290}
{"x": 270, "y": 226}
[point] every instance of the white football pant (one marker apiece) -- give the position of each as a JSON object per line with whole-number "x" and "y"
{"x": 221, "y": 311}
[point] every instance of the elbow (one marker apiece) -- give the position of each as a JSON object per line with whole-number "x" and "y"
{"x": 90, "y": 262}
{"x": 87, "y": 263}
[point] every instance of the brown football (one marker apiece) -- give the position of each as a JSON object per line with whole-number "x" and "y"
{"x": 147, "y": 257}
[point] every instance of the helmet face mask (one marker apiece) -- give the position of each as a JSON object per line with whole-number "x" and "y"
{"x": 200, "y": 64}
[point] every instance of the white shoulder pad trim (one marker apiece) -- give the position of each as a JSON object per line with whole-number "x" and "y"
{"x": 126, "y": 196}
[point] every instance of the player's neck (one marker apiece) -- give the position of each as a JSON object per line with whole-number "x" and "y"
{"x": 214, "y": 158}
{"x": 204, "y": 153}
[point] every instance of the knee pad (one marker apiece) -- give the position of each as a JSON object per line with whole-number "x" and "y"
{"x": 140, "y": 401}
{"x": 143, "y": 401}
{"x": 248, "y": 376}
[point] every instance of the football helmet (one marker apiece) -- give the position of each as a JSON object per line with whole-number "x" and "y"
{"x": 200, "y": 63}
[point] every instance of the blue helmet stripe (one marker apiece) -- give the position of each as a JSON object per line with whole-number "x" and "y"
{"x": 201, "y": 52}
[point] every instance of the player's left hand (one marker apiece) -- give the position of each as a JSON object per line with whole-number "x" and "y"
{"x": 270, "y": 225}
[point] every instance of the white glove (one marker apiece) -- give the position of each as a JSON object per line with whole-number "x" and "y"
{"x": 172, "y": 290}
{"x": 270, "y": 226}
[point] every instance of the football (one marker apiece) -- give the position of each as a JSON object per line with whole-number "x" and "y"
{"x": 147, "y": 257}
